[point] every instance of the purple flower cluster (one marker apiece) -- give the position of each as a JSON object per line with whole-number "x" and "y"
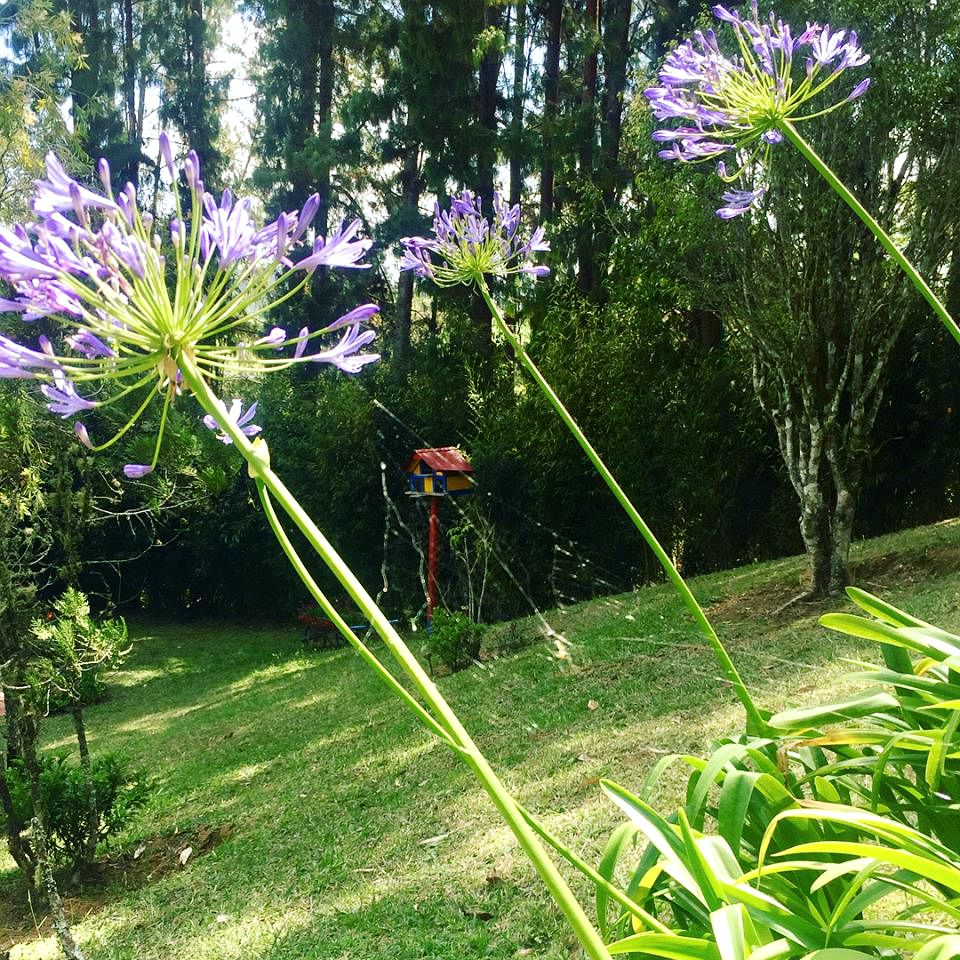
{"x": 739, "y": 104}
{"x": 466, "y": 246}
{"x": 131, "y": 308}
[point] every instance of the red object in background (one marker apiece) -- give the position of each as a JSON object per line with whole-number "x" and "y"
{"x": 433, "y": 556}
{"x": 444, "y": 459}
{"x": 437, "y": 472}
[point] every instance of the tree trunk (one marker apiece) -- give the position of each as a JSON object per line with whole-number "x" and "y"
{"x": 93, "y": 814}
{"x": 129, "y": 92}
{"x": 324, "y": 119}
{"x": 14, "y": 737}
{"x": 616, "y": 31}
{"x": 841, "y": 535}
{"x": 410, "y": 186}
{"x": 303, "y": 24}
{"x": 815, "y": 528}
{"x": 29, "y": 736}
{"x": 588, "y": 96}
{"x": 551, "y": 106}
{"x": 516, "y": 116}
{"x": 486, "y": 163}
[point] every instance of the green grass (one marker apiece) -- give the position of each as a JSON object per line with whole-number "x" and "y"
{"x": 355, "y": 836}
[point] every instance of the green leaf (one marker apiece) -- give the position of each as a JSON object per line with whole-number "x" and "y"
{"x": 883, "y": 610}
{"x": 861, "y": 705}
{"x": 943, "y": 948}
{"x": 663, "y": 945}
{"x": 934, "y": 870}
{"x": 608, "y": 865}
{"x": 930, "y": 641}
{"x": 734, "y": 932}
{"x": 711, "y": 773}
{"x": 838, "y": 953}
{"x": 738, "y": 788}
{"x": 699, "y": 868}
{"x": 660, "y": 834}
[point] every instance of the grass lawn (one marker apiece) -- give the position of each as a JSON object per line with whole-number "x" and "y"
{"x": 326, "y": 824}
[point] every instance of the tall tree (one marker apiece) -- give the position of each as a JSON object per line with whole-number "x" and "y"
{"x": 586, "y": 135}
{"x": 822, "y": 305}
{"x": 517, "y": 101}
{"x": 551, "y": 107}
{"x": 40, "y": 52}
{"x": 193, "y": 99}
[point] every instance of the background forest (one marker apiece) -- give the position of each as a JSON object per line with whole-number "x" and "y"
{"x": 736, "y": 376}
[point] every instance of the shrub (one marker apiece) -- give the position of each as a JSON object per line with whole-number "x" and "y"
{"x": 71, "y": 652}
{"x": 120, "y": 791}
{"x": 453, "y": 640}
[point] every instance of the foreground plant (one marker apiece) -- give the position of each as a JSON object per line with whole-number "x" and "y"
{"x": 467, "y": 248}
{"x": 738, "y": 108}
{"x": 163, "y": 314}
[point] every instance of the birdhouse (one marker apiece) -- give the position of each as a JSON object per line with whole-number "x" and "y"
{"x": 437, "y": 472}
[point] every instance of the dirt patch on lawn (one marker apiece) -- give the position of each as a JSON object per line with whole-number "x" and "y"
{"x": 22, "y": 920}
{"x": 877, "y": 574}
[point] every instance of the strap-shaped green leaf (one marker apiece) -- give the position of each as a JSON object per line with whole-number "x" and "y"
{"x": 664, "y": 945}
{"x": 861, "y": 705}
{"x": 607, "y": 867}
{"x": 943, "y": 948}
{"x": 883, "y": 610}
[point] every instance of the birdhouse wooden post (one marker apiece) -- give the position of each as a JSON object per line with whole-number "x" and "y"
{"x": 437, "y": 472}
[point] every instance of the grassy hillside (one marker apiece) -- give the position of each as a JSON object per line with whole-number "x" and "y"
{"x": 325, "y": 824}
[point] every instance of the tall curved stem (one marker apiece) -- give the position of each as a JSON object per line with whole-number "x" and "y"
{"x": 755, "y": 722}
{"x": 885, "y": 240}
{"x": 259, "y": 468}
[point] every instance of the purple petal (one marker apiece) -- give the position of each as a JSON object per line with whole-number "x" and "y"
{"x": 859, "y": 90}
{"x": 340, "y": 250}
{"x": 81, "y": 431}
{"x": 167, "y": 153}
{"x": 136, "y": 470}
{"x": 356, "y": 315}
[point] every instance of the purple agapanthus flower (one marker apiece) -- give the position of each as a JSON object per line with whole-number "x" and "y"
{"x": 63, "y": 396}
{"x": 466, "y": 246}
{"x": 339, "y": 250}
{"x": 740, "y": 104}
{"x": 136, "y": 313}
{"x": 737, "y": 202}
{"x": 346, "y": 356}
{"x": 237, "y": 416}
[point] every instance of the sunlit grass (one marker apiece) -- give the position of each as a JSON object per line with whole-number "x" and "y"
{"x": 355, "y": 836}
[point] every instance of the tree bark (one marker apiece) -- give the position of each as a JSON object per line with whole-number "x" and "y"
{"x": 47, "y": 883}
{"x": 129, "y": 91}
{"x": 486, "y": 162}
{"x": 588, "y": 97}
{"x": 324, "y": 119}
{"x": 93, "y": 814}
{"x": 19, "y": 848}
{"x": 516, "y": 116}
{"x": 551, "y": 108}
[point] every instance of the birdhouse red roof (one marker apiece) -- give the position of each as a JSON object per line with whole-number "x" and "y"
{"x": 441, "y": 459}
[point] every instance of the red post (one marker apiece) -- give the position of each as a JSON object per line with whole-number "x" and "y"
{"x": 433, "y": 556}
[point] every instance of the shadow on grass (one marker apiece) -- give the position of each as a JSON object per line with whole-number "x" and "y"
{"x": 356, "y": 835}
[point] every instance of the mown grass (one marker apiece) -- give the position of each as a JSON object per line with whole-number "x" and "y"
{"x": 354, "y": 836}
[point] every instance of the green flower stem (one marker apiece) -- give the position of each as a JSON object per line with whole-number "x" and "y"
{"x": 337, "y": 620}
{"x": 885, "y": 240}
{"x": 259, "y": 468}
{"x": 614, "y": 892}
{"x": 755, "y": 722}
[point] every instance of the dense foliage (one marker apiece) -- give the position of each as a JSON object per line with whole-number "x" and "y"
{"x": 643, "y": 328}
